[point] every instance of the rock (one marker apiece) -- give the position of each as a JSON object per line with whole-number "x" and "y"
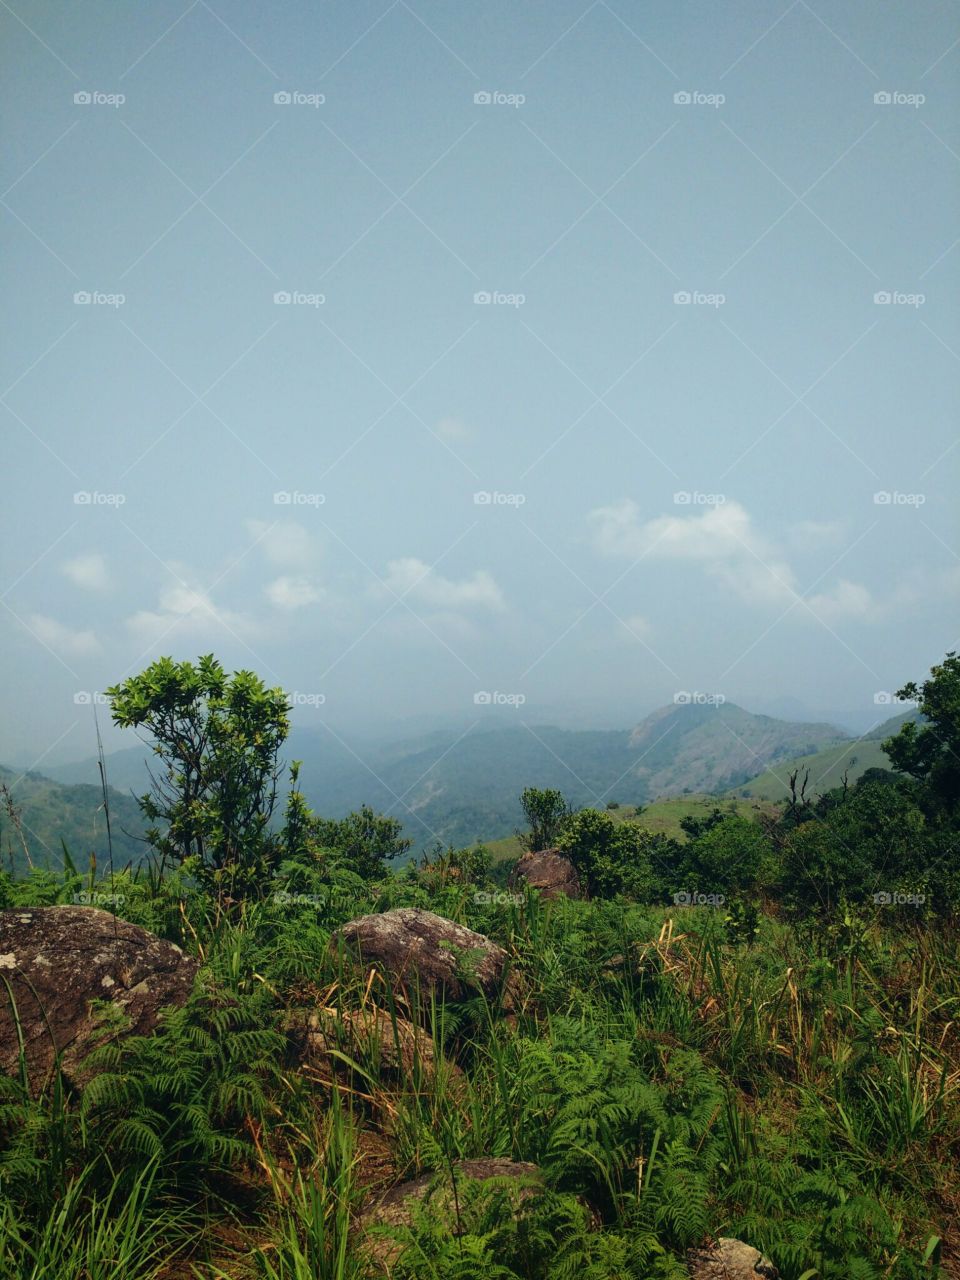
{"x": 550, "y": 872}
{"x": 730, "y": 1259}
{"x": 59, "y": 959}
{"x": 418, "y": 948}
{"x": 371, "y": 1036}
{"x": 396, "y": 1208}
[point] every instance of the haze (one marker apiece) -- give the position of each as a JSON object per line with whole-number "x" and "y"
{"x": 576, "y": 355}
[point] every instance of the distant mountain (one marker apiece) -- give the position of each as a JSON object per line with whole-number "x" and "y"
{"x": 458, "y": 787}
{"x": 697, "y": 747}
{"x": 827, "y": 767}
{"x": 51, "y": 812}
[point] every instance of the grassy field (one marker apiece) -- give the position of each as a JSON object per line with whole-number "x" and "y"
{"x": 826, "y": 770}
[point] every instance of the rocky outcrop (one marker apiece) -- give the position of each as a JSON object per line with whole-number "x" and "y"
{"x": 398, "y": 1049}
{"x": 419, "y": 950}
{"x": 396, "y": 1209}
{"x": 550, "y": 872}
{"x": 56, "y": 961}
{"x": 730, "y": 1259}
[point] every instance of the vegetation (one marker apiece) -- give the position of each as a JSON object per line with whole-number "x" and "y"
{"x": 749, "y": 1029}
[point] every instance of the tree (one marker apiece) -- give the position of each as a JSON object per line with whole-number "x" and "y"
{"x": 930, "y": 751}
{"x": 617, "y": 857}
{"x": 546, "y": 812}
{"x": 217, "y": 738}
{"x": 728, "y": 855}
{"x": 366, "y": 840}
{"x": 872, "y": 843}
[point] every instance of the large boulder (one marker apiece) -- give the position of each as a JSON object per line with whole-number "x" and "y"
{"x": 57, "y": 961}
{"x": 550, "y": 872}
{"x": 418, "y": 949}
{"x": 730, "y": 1259}
{"x": 396, "y": 1209}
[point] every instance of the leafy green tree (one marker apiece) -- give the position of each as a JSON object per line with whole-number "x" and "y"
{"x": 694, "y": 826}
{"x": 365, "y": 840}
{"x": 617, "y": 857}
{"x": 729, "y": 855}
{"x": 546, "y": 813}
{"x": 875, "y": 841}
{"x": 217, "y": 739}
{"x": 930, "y": 751}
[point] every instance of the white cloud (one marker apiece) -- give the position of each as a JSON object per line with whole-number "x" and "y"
{"x": 185, "y": 608}
{"x": 62, "y": 639}
{"x": 637, "y": 627}
{"x": 845, "y": 600}
{"x": 810, "y": 534}
{"x": 453, "y": 429}
{"x": 285, "y": 543}
{"x": 293, "y": 593}
{"x": 89, "y": 571}
{"x": 724, "y": 540}
{"x": 413, "y": 577}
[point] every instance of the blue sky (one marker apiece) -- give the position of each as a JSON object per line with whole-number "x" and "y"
{"x": 722, "y": 276}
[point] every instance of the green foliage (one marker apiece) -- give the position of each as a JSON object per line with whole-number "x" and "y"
{"x": 546, "y": 813}
{"x": 365, "y": 840}
{"x": 216, "y": 739}
{"x": 789, "y": 1077}
{"x": 613, "y": 858}
{"x": 930, "y": 751}
{"x": 727, "y": 854}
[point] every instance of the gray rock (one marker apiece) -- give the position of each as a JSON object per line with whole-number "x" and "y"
{"x": 416, "y": 948}
{"x": 397, "y": 1048}
{"x": 57, "y": 960}
{"x": 550, "y": 872}
{"x": 730, "y": 1259}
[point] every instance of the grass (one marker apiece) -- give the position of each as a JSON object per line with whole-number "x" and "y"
{"x": 670, "y": 1082}
{"x": 826, "y": 770}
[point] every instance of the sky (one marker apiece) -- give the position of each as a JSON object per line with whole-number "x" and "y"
{"x": 474, "y": 363}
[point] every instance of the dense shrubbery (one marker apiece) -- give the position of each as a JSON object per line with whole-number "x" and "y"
{"x": 781, "y": 1065}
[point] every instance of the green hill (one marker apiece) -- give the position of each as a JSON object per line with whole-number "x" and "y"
{"x": 50, "y": 812}
{"x": 826, "y": 767}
